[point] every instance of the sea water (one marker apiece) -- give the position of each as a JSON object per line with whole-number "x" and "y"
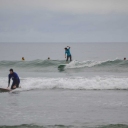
{"x": 91, "y": 91}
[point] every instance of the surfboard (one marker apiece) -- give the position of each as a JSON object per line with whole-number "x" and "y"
{"x": 16, "y": 90}
{"x": 61, "y": 66}
{"x": 5, "y": 90}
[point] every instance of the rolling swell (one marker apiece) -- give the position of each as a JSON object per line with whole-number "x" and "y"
{"x": 34, "y": 63}
{"x": 56, "y": 63}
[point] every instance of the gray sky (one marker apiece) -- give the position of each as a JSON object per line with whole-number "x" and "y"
{"x": 63, "y": 20}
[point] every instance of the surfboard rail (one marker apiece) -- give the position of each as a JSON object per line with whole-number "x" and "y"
{"x": 5, "y": 90}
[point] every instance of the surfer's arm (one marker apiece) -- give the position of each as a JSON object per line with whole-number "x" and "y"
{"x": 8, "y": 81}
{"x": 68, "y": 47}
{"x": 65, "y": 54}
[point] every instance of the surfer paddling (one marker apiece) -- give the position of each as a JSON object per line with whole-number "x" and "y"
{"x": 15, "y": 78}
{"x": 67, "y": 51}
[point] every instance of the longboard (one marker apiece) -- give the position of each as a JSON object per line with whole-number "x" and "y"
{"x": 5, "y": 90}
{"x": 61, "y": 66}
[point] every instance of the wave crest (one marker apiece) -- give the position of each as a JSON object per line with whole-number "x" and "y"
{"x": 73, "y": 64}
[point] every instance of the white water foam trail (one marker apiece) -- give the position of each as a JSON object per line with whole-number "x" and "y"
{"x": 88, "y": 63}
{"x": 77, "y": 83}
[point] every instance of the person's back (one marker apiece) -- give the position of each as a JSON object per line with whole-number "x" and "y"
{"x": 16, "y": 81}
{"x": 67, "y": 51}
{"x": 14, "y": 76}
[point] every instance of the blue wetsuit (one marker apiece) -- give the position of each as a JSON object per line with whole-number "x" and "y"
{"x": 67, "y": 51}
{"x": 15, "y": 78}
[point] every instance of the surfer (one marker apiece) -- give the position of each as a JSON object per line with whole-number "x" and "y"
{"x": 15, "y": 78}
{"x": 67, "y": 51}
{"x": 23, "y": 58}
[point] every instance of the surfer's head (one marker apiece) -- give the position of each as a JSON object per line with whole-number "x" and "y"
{"x": 11, "y": 71}
{"x": 65, "y": 48}
{"x": 23, "y": 58}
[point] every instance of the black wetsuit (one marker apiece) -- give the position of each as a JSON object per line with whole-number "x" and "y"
{"x": 15, "y": 78}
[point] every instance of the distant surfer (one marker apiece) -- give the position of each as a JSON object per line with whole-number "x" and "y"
{"x": 67, "y": 51}
{"x": 15, "y": 78}
{"x": 124, "y": 58}
{"x": 23, "y": 58}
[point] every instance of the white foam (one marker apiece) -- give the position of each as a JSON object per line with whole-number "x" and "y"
{"x": 88, "y": 63}
{"x": 72, "y": 83}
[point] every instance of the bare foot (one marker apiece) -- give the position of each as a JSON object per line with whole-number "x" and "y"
{"x": 14, "y": 87}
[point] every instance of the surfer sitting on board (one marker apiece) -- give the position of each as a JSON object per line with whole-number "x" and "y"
{"x": 67, "y": 51}
{"x": 15, "y": 78}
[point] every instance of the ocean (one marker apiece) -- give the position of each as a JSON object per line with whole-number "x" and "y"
{"x": 89, "y": 92}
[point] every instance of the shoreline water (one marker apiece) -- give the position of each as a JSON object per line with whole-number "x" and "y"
{"x": 64, "y": 107}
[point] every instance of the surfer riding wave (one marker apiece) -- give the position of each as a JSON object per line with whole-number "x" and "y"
{"x": 67, "y": 51}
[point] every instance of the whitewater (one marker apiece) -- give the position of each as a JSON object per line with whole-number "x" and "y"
{"x": 91, "y": 91}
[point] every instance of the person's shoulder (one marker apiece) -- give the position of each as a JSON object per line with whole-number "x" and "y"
{"x": 14, "y": 73}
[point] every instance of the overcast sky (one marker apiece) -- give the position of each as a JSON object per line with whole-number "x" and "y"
{"x": 63, "y": 20}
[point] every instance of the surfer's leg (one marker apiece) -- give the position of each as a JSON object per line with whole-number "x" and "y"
{"x": 17, "y": 82}
{"x": 13, "y": 85}
{"x": 67, "y": 58}
{"x": 70, "y": 58}
{"x": 17, "y": 85}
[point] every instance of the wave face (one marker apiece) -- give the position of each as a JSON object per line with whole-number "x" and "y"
{"x": 76, "y": 83}
{"x": 56, "y": 63}
{"x": 44, "y": 74}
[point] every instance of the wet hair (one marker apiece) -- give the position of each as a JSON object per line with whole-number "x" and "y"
{"x": 23, "y": 58}
{"x": 65, "y": 48}
{"x": 11, "y": 70}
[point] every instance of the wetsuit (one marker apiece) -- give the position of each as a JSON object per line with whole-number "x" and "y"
{"x": 15, "y": 78}
{"x": 68, "y": 54}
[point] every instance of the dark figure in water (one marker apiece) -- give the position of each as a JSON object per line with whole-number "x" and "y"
{"x": 67, "y": 51}
{"x": 124, "y": 58}
{"x": 15, "y": 78}
{"x": 23, "y": 58}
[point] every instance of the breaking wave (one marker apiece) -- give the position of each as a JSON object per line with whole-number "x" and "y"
{"x": 76, "y": 83}
{"x": 56, "y": 63}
